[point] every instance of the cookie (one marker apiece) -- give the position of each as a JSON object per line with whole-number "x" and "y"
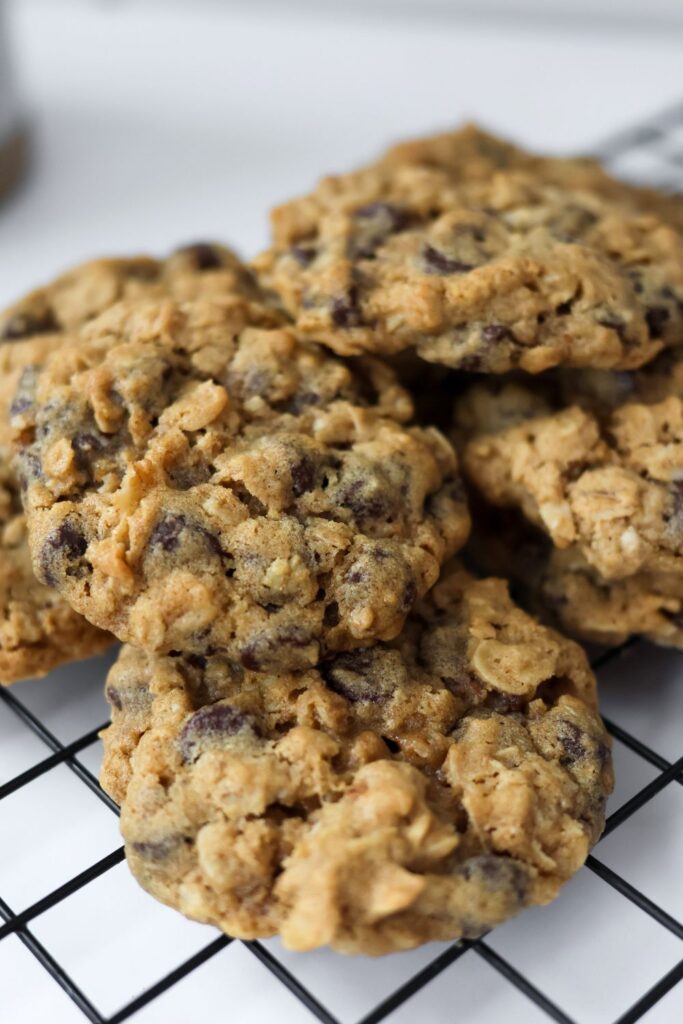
{"x": 38, "y": 629}
{"x": 509, "y": 272}
{"x": 564, "y": 590}
{"x": 594, "y": 462}
{"x": 469, "y": 153}
{"x": 424, "y": 789}
{"x": 200, "y": 480}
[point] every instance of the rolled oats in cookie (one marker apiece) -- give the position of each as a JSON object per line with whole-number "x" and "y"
{"x": 595, "y": 462}
{"x": 200, "y": 480}
{"x": 469, "y": 153}
{"x": 427, "y": 788}
{"x": 38, "y": 629}
{"x": 484, "y": 275}
{"x": 564, "y": 590}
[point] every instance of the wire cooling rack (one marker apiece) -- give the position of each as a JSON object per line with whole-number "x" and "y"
{"x": 607, "y": 952}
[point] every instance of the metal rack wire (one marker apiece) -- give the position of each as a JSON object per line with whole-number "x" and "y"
{"x": 650, "y": 151}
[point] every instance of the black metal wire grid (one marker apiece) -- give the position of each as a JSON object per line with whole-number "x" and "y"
{"x": 655, "y": 147}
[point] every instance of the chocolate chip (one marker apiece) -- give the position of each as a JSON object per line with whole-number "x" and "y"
{"x": 357, "y": 676}
{"x": 409, "y": 595}
{"x": 203, "y": 255}
{"x": 564, "y": 308}
{"x": 114, "y": 697}
{"x": 331, "y": 615}
{"x": 436, "y": 262}
{"x": 166, "y": 533}
{"x": 504, "y": 703}
{"x": 498, "y": 873}
{"x": 303, "y": 476}
{"x": 345, "y": 311}
{"x": 361, "y": 498}
{"x": 85, "y": 445}
{"x": 303, "y": 254}
{"x": 264, "y": 652}
{"x": 571, "y": 739}
{"x": 211, "y": 726}
{"x": 169, "y": 530}
{"x": 656, "y": 319}
{"x": 159, "y": 850}
{"x": 24, "y": 325}
{"x": 63, "y": 546}
{"x": 196, "y": 661}
{"x": 493, "y": 333}
{"x": 376, "y": 222}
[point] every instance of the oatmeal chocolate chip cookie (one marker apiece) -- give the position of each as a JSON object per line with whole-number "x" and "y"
{"x": 200, "y": 480}
{"x": 38, "y": 629}
{"x": 424, "y": 789}
{"x": 563, "y": 589}
{"x": 596, "y": 464}
{"x": 87, "y": 290}
{"x": 484, "y": 275}
{"x": 469, "y": 153}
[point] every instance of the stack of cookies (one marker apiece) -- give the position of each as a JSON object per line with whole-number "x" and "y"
{"x": 294, "y": 490}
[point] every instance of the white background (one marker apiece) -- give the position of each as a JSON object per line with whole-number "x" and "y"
{"x": 156, "y": 124}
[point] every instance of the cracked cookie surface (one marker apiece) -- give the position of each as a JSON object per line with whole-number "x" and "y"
{"x": 200, "y": 480}
{"x": 594, "y": 461}
{"x": 38, "y": 629}
{"x": 491, "y": 275}
{"x": 424, "y": 789}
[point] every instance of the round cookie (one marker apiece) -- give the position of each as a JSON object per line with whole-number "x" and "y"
{"x": 510, "y": 272}
{"x": 593, "y": 461}
{"x": 200, "y": 480}
{"x": 38, "y": 629}
{"x": 425, "y": 789}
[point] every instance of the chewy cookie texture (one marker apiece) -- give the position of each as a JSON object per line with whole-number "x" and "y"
{"x": 322, "y": 725}
{"x": 198, "y": 479}
{"x": 38, "y": 629}
{"x": 523, "y": 267}
{"x": 593, "y": 461}
{"x": 424, "y": 789}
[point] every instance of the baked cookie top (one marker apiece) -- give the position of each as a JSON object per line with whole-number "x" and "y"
{"x": 38, "y": 629}
{"x": 470, "y": 153}
{"x": 84, "y": 291}
{"x": 594, "y": 461}
{"x": 200, "y": 480}
{"x": 424, "y": 789}
{"x": 485, "y": 275}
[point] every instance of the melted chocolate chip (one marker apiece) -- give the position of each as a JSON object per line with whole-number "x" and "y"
{"x": 211, "y": 726}
{"x": 204, "y": 256}
{"x": 436, "y": 262}
{"x": 63, "y": 546}
{"x": 355, "y": 675}
{"x": 345, "y": 311}
{"x": 303, "y": 254}
{"x": 264, "y": 652}
{"x": 24, "y": 325}
{"x": 656, "y": 319}
{"x": 493, "y": 333}
{"x": 571, "y": 739}
{"x": 159, "y": 850}
{"x": 166, "y": 533}
{"x": 303, "y": 476}
{"x": 497, "y": 873}
{"x": 376, "y": 222}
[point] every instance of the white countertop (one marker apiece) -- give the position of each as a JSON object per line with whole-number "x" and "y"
{"x": 156, "y": 125}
